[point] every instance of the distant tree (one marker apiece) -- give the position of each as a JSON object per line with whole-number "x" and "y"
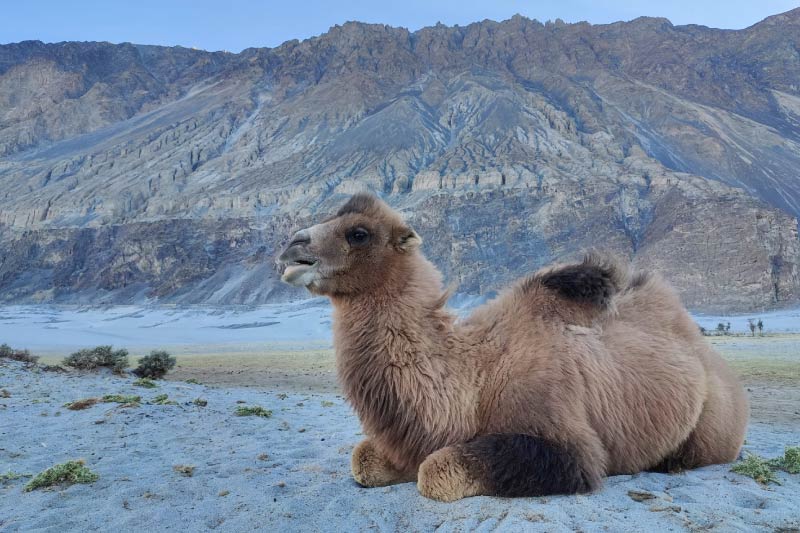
{"x": 760, "y": 327}
{"x": 702, "y": 330}
{"x": 721, "y": 328}
{"x": 728, "y": 327}
{"x": 752, "y": 325}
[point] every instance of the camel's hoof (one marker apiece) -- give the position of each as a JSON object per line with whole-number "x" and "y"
{"x": 370, "y": 469}
{"x": 445, "y": 477}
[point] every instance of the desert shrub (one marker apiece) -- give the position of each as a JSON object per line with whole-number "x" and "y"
{"x": 155, "y": 365}
{"x": 790, "y": 462}
{"x": 162, "y": 399}
{"x": 756, "y": 467}
{"x": 147, "y": 383}
{"x": 121, "y": 398}
{"x": 253, "y": 411}
{"x": 200, "y": 402}
{"x": 70, "y": 472}
{"x": 99, "y": 356}
{"x": 763, "y": 470}
{"x": 7, "y": 352}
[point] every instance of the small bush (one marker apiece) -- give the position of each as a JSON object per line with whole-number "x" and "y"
{"x": 120, "y": 398}
{"x": 155, "y": 365}
{"x": 70, "y": 473}
{"x": 253, "y": 411}
{"x": 147, "y": 383}
{"x": 99, "y": 356}
{"x": 162, "y": 399}
{"x": 790, "y": 462}
{"x": 756, "y": 467}
{"x": 7, "y": 352}
{"x": 200, "y": 402}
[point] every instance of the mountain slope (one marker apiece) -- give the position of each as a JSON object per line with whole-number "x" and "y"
{"x": 144, "y": 172}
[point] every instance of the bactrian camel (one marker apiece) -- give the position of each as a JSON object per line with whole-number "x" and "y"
{"x": 573, "y": 373}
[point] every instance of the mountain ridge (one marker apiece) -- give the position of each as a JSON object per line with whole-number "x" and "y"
{"x": 586, "y": 128}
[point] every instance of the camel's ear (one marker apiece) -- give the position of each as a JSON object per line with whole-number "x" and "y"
{"x": 406, "y": 239}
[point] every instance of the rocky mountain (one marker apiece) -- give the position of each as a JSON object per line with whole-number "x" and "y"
{"x": 144, "y": 173}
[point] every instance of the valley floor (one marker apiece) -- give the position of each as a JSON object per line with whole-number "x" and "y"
{"x": 290, "y": 472}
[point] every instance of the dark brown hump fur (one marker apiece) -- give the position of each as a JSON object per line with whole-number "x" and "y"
{"x": 594, "y": 281}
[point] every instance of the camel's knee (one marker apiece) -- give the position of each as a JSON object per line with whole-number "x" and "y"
{"x": 446, "y": 475}
{"x": 371, "y": 469}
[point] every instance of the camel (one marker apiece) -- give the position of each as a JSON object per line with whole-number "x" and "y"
{"x": 576, "y": 372}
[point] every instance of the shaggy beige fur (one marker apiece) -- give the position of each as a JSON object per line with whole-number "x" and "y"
{"x": 574, "y": 373}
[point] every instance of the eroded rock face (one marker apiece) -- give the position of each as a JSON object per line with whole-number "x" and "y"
{"x": 134, "y": 172}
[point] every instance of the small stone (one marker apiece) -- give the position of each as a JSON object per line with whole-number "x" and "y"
{"x": 641, "y": 495}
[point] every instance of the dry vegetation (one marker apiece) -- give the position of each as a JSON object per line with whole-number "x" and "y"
{"x": 67, "y": 473}
{"x": 763, "y": 470}
{"x": 24, "y": 356}
{"x": 253, "y": 411}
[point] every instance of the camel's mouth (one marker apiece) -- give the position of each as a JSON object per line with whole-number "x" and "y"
{"x": 300, "y": 272}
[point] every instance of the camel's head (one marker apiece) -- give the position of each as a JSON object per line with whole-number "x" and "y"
{"x": 352, "y": 252}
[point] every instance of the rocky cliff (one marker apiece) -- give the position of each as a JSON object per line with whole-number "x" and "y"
{"x": 133, "y": 173}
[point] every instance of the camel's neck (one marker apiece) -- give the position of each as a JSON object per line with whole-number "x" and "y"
{"x": 401, "y": 363}
{"x": 401, "y": 323}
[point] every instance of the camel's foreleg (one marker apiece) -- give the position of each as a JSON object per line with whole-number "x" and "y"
{"x": 504, "y": 465}
{"x": 371, "y": 469}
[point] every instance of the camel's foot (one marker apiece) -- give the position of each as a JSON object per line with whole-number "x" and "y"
{"x": 371, "y": 469}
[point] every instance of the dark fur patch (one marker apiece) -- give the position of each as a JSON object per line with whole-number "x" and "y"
{"x": 684, "y": 458}
{"x": 521, "y": 465}
{"x": 584, "y": 283}
{"x": 358, "y": 203}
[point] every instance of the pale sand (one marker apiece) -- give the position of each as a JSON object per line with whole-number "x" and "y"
{"x": 304, "y": 483}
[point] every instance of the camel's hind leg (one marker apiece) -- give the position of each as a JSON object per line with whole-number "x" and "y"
{"x": 719, "y": 433}
{"x": 504, "y": 465}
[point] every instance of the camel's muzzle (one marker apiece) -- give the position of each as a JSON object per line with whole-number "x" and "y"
{"x": 300, "y": 265}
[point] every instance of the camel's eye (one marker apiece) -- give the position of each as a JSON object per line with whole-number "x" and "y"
{"x": 357, "y": 237}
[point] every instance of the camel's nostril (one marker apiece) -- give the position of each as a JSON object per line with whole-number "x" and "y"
{"x": 301, "y": 237}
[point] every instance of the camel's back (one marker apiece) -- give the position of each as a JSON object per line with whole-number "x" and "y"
{"x": 645, "y": 369}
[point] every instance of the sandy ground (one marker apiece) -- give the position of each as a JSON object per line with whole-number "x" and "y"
{"x": 290, "y": 472}
{"x": 302, "y": 483}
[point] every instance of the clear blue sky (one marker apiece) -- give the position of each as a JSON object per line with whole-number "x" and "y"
{"x": 237, "y": 24}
